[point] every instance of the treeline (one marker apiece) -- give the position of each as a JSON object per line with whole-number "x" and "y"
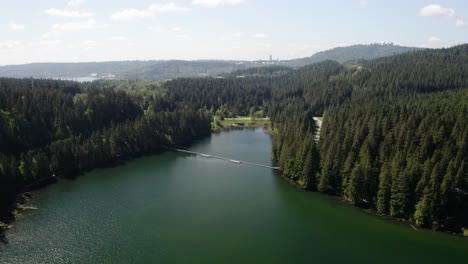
{"x": 351, "y": 53}
{"x": 394, "y": 136}
{"x": 228, "y": 97}
{"x": 394, "y": 132}
{"x": 399, "y": 144}
{"x": 423, "y": 71}
{"x": 63, "y": 128}
{"x": 36, "y": 112}
{"x": 271, "y": 71}
{"x": 403, "y": 156}
{"x": 294, "y": 148}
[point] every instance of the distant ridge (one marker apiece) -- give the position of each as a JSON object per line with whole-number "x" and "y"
{"x": 171, "y": 69}
{"x": 71, "y": 69}
{"x": 355, "y": 52}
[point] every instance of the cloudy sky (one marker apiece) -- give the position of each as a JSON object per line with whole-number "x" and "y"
{"x": 106, "y": 30}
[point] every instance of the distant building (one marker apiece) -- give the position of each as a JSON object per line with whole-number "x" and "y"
{"x": 238, "y": 124}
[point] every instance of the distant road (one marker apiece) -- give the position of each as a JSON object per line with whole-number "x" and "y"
{"x": 319, "y": 124}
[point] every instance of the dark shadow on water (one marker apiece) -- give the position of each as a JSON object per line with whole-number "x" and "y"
{"x": 3, "y": 239}
{"x": 116, "y": 162}
{"x": 39, "y": 185}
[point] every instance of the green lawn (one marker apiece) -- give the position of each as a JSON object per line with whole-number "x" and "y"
{"x": 248, "y": 121}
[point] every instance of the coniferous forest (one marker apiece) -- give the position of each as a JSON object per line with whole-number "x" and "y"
{"x": 64, "y": 128}
{"x": 394, "y": 137}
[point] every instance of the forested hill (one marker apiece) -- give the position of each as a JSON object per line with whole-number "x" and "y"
{"x": 265, "y": 71}
{"x": 132, "y": 70}
{"x": 355, "y": 52}
{"x": 394, "y": 137}
{"x": 63, "y": 128}
{"x": 423, "y": 71}
{"x": 184, "y": 69}
{"x": 70, "y": 70}
{"x": 172, "y": 69}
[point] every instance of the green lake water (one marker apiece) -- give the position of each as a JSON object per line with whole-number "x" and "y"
{"x": 181, "y": 208}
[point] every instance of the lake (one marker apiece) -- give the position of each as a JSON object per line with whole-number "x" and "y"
{"x": 182, "y": 208}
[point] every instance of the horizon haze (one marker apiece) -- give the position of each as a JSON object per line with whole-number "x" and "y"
{"x": 96, "y": 31}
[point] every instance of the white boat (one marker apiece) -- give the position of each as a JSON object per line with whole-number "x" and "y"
{"x": 235, "y": 161}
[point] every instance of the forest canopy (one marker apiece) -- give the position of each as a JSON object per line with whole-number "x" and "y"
{"x": 394, "y": 135}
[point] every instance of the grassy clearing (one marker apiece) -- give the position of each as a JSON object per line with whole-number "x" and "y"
{"x": 240, "y": 121}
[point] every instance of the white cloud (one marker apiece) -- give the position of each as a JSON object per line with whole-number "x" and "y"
{"x": 50, "y": 42}
{"x": 177, "y": 29}
{"x": 54, "y": 12}
{"x": 130, "y": 14}
{"x": 166, "y": 8}
{"x": 265, "y": 45}
{"x": 183, "y": 36}
{"x": 133, "y": 13}
{"x": 46, "y": 35}
{"x": 75, "y": 3}
{"x": 434, "y": 40}
{"x": 237, "y": 34}
{"x": 436, "y": 10}
{"x": 233, "y": 36}
{"x": 9, "y": 45}
{"x": 439, "y": 11}
{"x": 215, "y": 3}
{"x": 89, "y": 45}
{"x": 76, "y": 26}
{"x": 119, "y": 38}
{"x": 259, "y": 36}
{"x": 15, "y": 27}
{"x": 180, "y": 33}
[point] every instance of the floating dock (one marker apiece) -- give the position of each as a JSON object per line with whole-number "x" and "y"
{"x": 222, "y": 158}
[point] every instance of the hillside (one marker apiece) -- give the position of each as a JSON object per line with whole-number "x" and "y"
{"x": 355, "y": 52}
{"x": 183, "y": 69}
{"x": 394, "y": 137}
{"x": 164, "y": 70}
{"x": 70, "y": 70}
{"x": 264, "y": 71}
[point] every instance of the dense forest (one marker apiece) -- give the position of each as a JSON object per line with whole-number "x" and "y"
{"x": 172, "y": 69}
{"x": 63, "y": 128}
{"x": 394, "y": 137}
{"x": 351, "y": 53}
{"x": 69, "y": 70}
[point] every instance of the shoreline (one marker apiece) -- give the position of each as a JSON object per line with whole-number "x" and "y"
{"x": 24, "y": 196}
{"x": 239, "y": 123}
{"x": 341, "y": 200}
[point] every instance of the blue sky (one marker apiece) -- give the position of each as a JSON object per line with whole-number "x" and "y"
{"x": 92, "y": 30}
